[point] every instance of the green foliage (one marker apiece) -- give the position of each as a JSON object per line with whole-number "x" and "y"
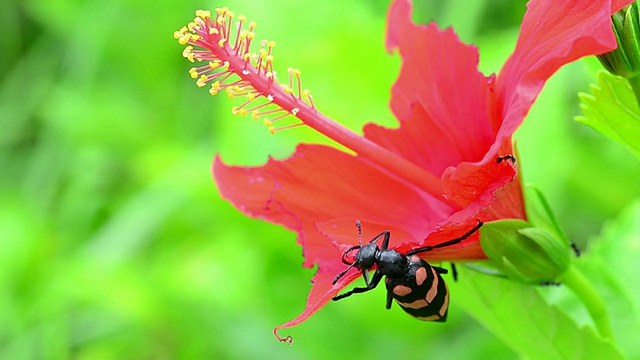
{"x": 508, "y": 307}
{"x": 612, "y": 265}
{"x": 612, "y": 110}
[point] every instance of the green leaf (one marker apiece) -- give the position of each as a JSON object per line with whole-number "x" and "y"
{"x": 612, "y": 262}
{"x": 612, "y": 110}
{"x": 507, "y": 307}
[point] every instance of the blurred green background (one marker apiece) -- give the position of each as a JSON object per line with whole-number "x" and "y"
{"x": 114, "y": 242}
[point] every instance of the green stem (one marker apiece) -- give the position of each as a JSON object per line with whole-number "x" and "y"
{"x": 591, "y": 298}
{"x": 635, "y": 85}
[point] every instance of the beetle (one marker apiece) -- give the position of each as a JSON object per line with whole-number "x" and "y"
{"x": 415, "y": 285}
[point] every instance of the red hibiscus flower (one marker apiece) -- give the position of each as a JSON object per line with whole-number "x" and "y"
{"x": 428, "y": 181}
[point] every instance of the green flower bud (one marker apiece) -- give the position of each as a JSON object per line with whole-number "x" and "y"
{"x": 532, "y": 251}
{"x": 625, "y": 60}
{"x": 524, "y": 253}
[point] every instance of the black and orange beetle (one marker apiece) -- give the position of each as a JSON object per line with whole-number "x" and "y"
{"x": 415, "y": 285}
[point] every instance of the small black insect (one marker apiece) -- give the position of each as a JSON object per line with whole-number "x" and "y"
{"x": 415, "y": 285}
{"x": 509, "y": 157}
{"x": 576, "y": 249}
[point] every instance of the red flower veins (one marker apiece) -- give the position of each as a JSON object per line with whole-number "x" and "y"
{"x": 427, "y": 181}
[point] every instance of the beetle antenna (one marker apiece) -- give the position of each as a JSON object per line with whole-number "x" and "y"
{"x": 347, "y": 253}
{"x": 359, "y": 232}
{"x": 359, "y": 226}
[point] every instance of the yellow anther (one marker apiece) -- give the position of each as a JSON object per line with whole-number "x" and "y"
{"x": 269, "y": 59}
{"x": 306, "y": 93}
{"x": 272, "y": 129}
{"x": 216, "y": 85}
{"x": 213, "y": 92}
{"x": 202, "y": 81}
{"x": 184, "y": 39}
{"x": 194, "y": 73}
{"x": 214, "y": 64}
{"x": 222, "y": 42}
{"x": 267, "y": 122}
{"x": 226, "y": 65}
{"x": 187, "y": 51}
{"x": 246, "y": 57}
{"x": 230, "y": 14}
{"x": 252, "y": 25}
{"x": 295, "y": 72}
{"x": 199, "y": 24}
{"x": 251, "y": 35}
{"x": 241, "y": 112}
{"x": 191, "y": 26}
{"x": 242, "y": 18}
{"x": 183, "y": 30}
{"x": 286, "y": 89}
{"x": 271, "y": 44}
{"x": 222, "y": 10}
{"x": 203, "y": 14}
{"x": 254, "y": 115}
{"x": 214, "y": 31}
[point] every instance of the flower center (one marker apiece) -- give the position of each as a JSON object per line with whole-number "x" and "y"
{"x": 229, "y": 65}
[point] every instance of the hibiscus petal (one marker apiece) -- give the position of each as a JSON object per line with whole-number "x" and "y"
{"x": 465, "y": 183}
{"x": 440, "y": 96}
{"x": 343, "y": 233}
{"x": 616, "y": 5}
{"x": 553, "y": 33}
{"x": 321, "y": 293}
{"x": 318, "y": 184}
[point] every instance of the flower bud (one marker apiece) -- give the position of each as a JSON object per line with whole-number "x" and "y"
{"x": 527, "y": 254}
{"x": 625, "y": 60}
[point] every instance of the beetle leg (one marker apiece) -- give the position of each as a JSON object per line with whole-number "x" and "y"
{"x": 447, "y": 243}
{"x": 375, "y": 280}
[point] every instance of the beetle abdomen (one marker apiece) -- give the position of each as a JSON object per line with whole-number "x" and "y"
{"x": 422, "y": 293}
